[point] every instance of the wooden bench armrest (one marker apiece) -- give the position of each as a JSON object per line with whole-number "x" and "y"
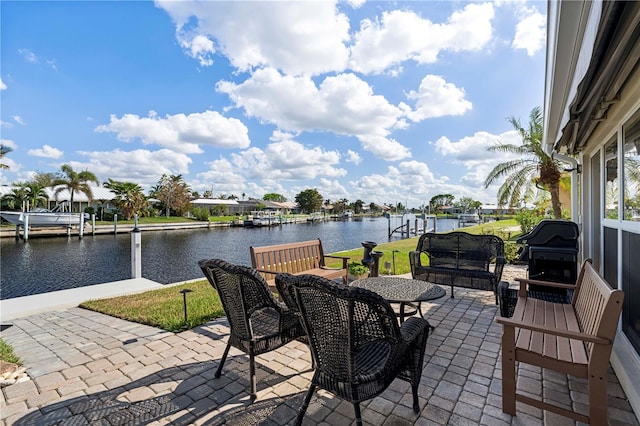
{"x": 526, "y": 281}
{"x": 510, "y": 322}
{"x": 344, "y": 259}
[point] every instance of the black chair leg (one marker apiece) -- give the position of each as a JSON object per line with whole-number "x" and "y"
{"x": 224, "y": 358}
{"x": 305, "y": 404}
{"x": 252, "y": 374}
{"x": 416, "y": 403}
{"x": 356, "y": 409}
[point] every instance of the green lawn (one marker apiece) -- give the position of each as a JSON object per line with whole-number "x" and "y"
{"x": 164, "y": 308}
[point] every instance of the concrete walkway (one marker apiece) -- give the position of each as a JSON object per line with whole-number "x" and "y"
{"x": 89, "y": 368}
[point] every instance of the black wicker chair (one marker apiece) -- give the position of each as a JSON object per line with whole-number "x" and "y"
{"x": 356, "y": 342}
{"x": 258, "y": 322}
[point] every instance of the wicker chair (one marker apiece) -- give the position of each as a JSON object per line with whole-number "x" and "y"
{"x": 356, "y": 342}
{"x": 259, "y": 323}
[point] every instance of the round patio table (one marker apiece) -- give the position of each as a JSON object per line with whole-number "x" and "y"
{"x": 404, "y": 291}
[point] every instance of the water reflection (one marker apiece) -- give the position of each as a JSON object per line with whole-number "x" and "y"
{"x": 46, "y": 264}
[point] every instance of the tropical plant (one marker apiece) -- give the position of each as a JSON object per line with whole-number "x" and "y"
{"x": 37, "y": 195}
{"x": 534, "y": 169}
{"x": 4, "y": 149}
{"x": 75, "y": 182}
{"x": 174, "y": 194}
{"x": 17, "y": 198}
{"x": 129, "y": 197}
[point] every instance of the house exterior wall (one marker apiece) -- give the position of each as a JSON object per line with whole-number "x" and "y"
{"x": 610, "y": 242}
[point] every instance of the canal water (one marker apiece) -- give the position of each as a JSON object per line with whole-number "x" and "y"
{"x": 41, "y": 265}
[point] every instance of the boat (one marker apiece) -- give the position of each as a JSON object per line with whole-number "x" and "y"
{"x": 46, "y": 218}
{"x": 260, "y": 218}
{"x": 348, "y": 214}
{"x": 469, "y": 217}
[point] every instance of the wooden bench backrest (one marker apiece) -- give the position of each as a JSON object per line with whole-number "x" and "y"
{"x": 292, "y": 258}
{"x": 596, "y": 304}
{"x": 460, "y": 250}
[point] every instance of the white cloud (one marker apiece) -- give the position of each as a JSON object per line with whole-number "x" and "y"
{"x": 18, "y": 119}
{"x": 223, "y": 176}
{"x": 353, "y": 157}
{"x": 2, "y": 85}
{"x": 288, "y": 160}
{"x": 140, "y": 166}
{"x": 28, "y": 55}
{"x": 8, "y": 143}
{"x": 46, "y": 152}
{"x": 6, "y": 124}
{"x": 180, "y": 132}
{"x": 472, "y": 153}
{"x": 436, "y": 98}
{"x": 403, "y": 35}
{"x": 530, "y": 32}
{"x": 333, "y": 190}
{"x": 296, "y": 37}
{"x": 342, "y": 104}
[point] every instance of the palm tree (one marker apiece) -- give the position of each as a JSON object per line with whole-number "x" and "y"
{"x": 75, "y": 182}
{"x": 17, "y": 198}
{"x": 36, "y": 193}
{"x": 534, "y": 169}
{"x": 4, "y": 150}
{"x": 129, "y": 197}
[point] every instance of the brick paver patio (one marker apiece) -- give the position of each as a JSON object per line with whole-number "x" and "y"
{"x": 89, "y": 368}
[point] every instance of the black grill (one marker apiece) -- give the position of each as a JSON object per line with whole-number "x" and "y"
{"x": 551, "y": 250}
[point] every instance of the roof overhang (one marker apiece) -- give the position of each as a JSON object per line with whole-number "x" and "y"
{"x": 592, "y": 49}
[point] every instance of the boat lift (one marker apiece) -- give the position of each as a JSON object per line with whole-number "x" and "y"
{"x": 402, "y": 224}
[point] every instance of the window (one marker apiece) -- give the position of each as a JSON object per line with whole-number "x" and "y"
{"x": 611, "y": 179}
{"x": 631, "y": 169}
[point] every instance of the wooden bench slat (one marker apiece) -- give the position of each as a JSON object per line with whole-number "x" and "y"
{"x": 306, "y": 257}
{"x": 550, "y": 320}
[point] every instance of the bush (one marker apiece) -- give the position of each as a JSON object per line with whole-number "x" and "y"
{"x": 527, "y": 219}
{"x": 200, "y": 213}
{"x": 356, "y": 268}
{"x": 511, "y": 252}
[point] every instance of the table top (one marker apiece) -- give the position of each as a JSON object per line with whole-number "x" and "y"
{"x": 401, "y": 290}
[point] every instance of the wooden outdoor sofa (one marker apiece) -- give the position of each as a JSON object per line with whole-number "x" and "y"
{"x": 459, "y": 259}
{"x": 305, "y": 257}
{"x": 574, "y": 339}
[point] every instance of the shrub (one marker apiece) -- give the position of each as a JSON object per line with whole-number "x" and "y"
{"x": 201, "y": 213}
{"x": 356, "y": 269}
{"x": 527, "y": 219}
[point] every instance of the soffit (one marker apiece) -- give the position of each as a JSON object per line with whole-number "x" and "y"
{"x": 616, "y": 55}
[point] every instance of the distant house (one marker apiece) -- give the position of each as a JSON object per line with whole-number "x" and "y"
{"x": 101, "y": 197}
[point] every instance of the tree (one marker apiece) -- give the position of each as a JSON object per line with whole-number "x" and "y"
{"x": 174, "y": 194}
{"x": 357, "y": 206}
{"x": 274, "y": 197}
{"x": 75, "y": 182}
{"x": 534, "y": 169}
{"x": 467, "y": 203}
{"x": 129, "y": 198}
{"x": 309, "y": 200}
{"x": 4, "y": 149}
{"x": 17, "y": 198}
{"x": 37, "y": 195}
{"x": 437, "y": 202}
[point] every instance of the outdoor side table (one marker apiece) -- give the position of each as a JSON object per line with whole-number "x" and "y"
{"x": 404, "y": 291}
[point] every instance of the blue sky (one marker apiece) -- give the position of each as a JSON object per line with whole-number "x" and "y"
{"x": 380, "y": 101}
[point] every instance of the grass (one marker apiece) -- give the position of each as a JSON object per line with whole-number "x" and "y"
{"x": 164, "y": 308}
{"x": 6, "y": 353}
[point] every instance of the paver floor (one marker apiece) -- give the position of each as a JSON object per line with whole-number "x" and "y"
{"x": 89, "y": 368}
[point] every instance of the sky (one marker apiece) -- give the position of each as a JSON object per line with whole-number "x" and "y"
{"x": 385, "y": 102}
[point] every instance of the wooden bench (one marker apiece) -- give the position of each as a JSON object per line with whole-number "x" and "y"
{"x": 305, "y": 257}
{"x": 574, "y": 339}
{"x": 459, "y": 259}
